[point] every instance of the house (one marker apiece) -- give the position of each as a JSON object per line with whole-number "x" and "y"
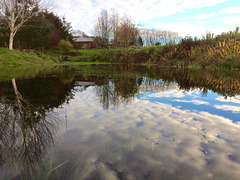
{"x": 86, "y": 43}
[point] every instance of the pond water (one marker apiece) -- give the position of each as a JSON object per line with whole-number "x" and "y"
{"x": 120, "y": 122}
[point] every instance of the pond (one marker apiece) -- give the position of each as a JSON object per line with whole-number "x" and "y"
{"x": 119, "y": 122}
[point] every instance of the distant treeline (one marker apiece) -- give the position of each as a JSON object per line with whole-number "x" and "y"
{"x": 115, "y": 31}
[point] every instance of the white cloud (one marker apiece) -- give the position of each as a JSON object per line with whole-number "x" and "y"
{"x": 183, "y": 28}
{"x": 198, "y": 17}
{"x": 83, "y": 13}
{"x": 228, "y": 108}
{"x": 230, "y": 10}
{"x": 231, "y": 20}
{"x": 197, "y": 102}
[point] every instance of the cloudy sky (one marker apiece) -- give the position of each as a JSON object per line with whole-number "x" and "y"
{"x": 187, "y": 17}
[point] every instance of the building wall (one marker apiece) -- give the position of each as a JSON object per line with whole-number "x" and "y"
{"x": 85, "y": 45}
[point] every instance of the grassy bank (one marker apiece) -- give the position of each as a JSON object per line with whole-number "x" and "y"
{"x": 221, "y": 51}
{"x": 119, "y": 55}
{"x": 16, "y": 58}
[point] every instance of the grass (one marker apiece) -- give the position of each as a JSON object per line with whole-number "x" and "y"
{"x": 119, "y": 55}
{"x": 18, "y": 64}
{"x": 16, "y": 58}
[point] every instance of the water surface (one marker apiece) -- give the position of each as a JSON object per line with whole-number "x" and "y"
{"x": 120, "y": 122}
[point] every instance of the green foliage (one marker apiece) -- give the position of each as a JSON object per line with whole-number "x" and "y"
{"x": 33, "y": 35}
{"x": 61, "y": 28}
{"x": 4, "y": 37}
{"x": 65, "y": 46}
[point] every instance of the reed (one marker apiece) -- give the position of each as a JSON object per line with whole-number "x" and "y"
{"x": 220, "y": 51}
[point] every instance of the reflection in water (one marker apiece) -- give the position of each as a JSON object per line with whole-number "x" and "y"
{"x": 124, "y": 122}
{"x": 224, "y": 83}
{"x": 131, "y": 80}
{"x": 123, "y": 90}
{"x": 26, "y": 133}
{"x": 148, "y": 140}
{"x": 117, "y": 90}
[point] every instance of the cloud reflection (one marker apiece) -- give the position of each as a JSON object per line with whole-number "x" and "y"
{"x": 229, "y": 99}
{"x": 149, "y": 134}
{"x": 197, "y": 102}
{"x": 228, "y": 108}
{"x": 169, "y": 93}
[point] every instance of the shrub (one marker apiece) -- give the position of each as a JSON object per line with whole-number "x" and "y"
{"x": 65, "y": 46}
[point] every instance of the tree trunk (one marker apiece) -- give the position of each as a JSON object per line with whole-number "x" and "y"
{"x": 12, "y": 27}
{"x": 11, "y": 41}
{"x": 17, "y": 95}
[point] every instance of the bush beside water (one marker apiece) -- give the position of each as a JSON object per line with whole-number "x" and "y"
{"x": 220, "y": 51}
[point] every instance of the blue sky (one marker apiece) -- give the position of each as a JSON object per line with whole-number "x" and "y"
{"x": 187, "y": 17}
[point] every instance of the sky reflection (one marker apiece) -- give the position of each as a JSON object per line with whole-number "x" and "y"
{"x": 116, "y": 123}
{"x": 195, "y": 101}
{"x": 185, "y": 135}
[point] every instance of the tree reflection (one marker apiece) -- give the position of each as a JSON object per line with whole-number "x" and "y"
{"x": 117, "y": 90}
{"x": 122, "y": 89}
{"x": 223, "y": 83}
{"x": 26, "y": 132}
{"x": 124, "y": 85}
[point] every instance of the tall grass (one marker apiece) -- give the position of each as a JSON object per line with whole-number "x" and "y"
{"x": 222, "y": 50}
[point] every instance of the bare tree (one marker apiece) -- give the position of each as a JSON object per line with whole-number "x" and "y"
{"x": 114, "y": 21}
{"x": 103, "y": 28}
{"x": 16, "y": 12}
{"x": 127, "y": 32}
{"x": 79, "y": 33}
{"x": 152, "y": 37}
